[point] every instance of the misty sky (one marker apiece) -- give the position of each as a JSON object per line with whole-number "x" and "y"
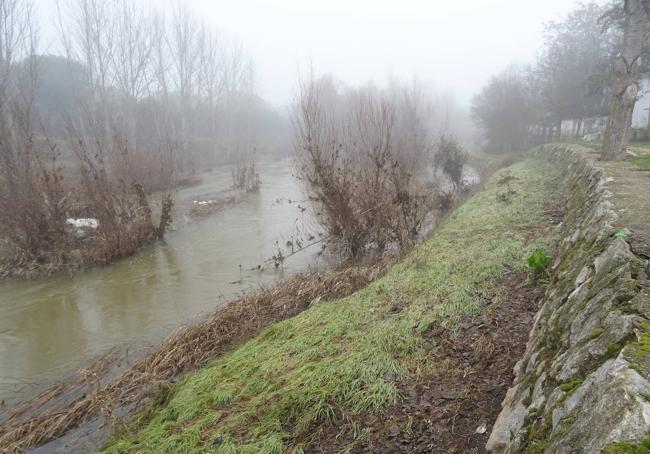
{"x": 448, "y": 44}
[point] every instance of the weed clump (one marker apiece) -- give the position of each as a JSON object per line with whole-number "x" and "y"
{"x": 538, "y": 263}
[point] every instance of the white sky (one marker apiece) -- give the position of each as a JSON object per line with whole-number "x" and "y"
{"x": 448, "y": 44}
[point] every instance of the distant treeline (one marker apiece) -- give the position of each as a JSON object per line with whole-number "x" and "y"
{"x": 570, "y": 80}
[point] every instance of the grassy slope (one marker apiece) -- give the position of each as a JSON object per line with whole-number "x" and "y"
{"x": 338, "y": 357}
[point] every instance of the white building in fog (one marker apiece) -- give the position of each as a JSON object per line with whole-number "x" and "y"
{"x": 593, "y": 128}
{"x": 641, "y": 114}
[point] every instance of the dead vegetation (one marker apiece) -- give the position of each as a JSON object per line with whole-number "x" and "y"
{"x": 245, "y": 177}
{"x": 189, "y": 348}
{"x": 36, "y": 200}
{"x": 450, "y": 158}
{"x": 209, "y": 206}
{"x": 361, "y": 155}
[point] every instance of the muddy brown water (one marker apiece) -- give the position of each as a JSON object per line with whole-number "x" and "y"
{"x": 49, "y": 328}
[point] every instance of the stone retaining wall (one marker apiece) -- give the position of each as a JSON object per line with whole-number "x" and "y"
{"x": 582, "y": 385}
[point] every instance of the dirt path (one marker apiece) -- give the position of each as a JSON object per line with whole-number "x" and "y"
{"x": 630, "y": 187}
{"x": 453, "y": 410}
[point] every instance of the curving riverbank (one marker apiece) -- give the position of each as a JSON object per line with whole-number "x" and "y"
{"x": 52, "y": 327}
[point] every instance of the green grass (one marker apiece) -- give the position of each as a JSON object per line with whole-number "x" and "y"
{"x": 593, "y": 145}
{"x": 642, "y": 162}
{"x": 340, "y": 357}
{"x": 571, "y": 386}
{"x": 596, "y": 147}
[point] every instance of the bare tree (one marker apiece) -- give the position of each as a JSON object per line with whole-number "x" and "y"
{"x": 237, "y": 81}
{"x": 149, "y": 87}
{"x": 210, "y": 80}
{"x": 357, "y": 169}
{"x": 132, "y": 61}
{"x": 185, "y": 41}
{"x": 87, "y": 36}
{"x": 625, "y": 79}
{"x": 31, "y": 193}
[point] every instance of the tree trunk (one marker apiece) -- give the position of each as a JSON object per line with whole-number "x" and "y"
{"x": 625, "y": 80}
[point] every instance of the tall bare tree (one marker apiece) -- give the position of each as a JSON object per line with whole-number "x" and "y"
{"x": 17, "y": 41}
{"x": 625, "y": 79}
{"x": 31, "y": 195}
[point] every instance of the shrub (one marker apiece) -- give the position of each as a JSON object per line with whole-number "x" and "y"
{"x": 36, "y": 203}
{"x": 122, "y": 207}
{"x": 538, "y": 264}
{"x": 357, "y": 167}
{"x": 450, "y": 158}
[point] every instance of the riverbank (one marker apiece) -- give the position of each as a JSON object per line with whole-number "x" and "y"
{"x": 52, "y": 327}
{"x": 77, "y": 414}
{"x": 339, "y": 373}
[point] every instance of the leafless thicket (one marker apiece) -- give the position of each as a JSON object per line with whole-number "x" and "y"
{"x": 151, "y": 96}
{"x": 359, "y": 153}
{"x": 177, "y": 91}
{"x": 31, "y": 191}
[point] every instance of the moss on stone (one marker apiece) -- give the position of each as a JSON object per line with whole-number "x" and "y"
{"x": 613, "y": 350}
{"x": 571, "y": 386}
{"x": 627, "y": 291}
{"x": 637, "y": 351}
{"x": 596, "y": 333}
{"x": 610, "y": 293}
{"x": 628, "y": 448}
{"x": 639, "y": 263}
{"x": 627, "y": 308}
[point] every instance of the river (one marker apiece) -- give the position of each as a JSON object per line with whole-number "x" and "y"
{"x": 51, "y": 327}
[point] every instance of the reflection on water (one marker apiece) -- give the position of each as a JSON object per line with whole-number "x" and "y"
{"x": 52, "y": 327}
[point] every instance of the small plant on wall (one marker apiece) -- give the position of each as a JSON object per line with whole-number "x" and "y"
{"x": 538, "y": 264}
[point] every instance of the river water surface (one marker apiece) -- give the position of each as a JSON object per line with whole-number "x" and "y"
{"x": 51, "y": 327}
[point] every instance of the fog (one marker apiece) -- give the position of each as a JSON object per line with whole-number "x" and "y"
{"x": 227, "y": 165}
{"x": 450, "y": 46}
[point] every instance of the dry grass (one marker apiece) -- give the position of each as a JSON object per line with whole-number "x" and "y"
{"x": 191, "y": 347}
